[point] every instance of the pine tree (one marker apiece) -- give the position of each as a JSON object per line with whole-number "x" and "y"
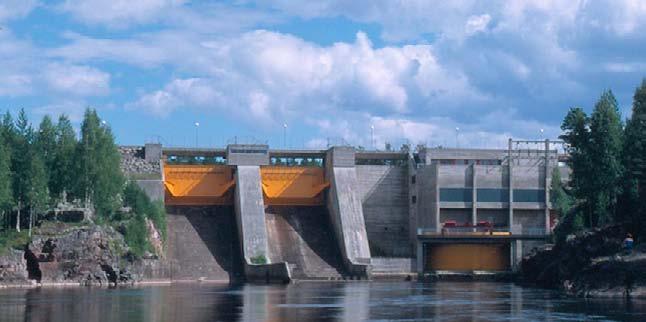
{"x": 63, "y": 172}
{"x": 20, "y": 166}
{"x": 561, "y": 201}
{"x": 37, "y": 196}
{"x": 634, "y": 194}
{"x": 45, "y": 148}
{"x": 6, "y": 193}
{"x": 606, "y": 144}
{"x": 577, "y": 138}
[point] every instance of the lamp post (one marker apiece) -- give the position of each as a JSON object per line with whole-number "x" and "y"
{"x": 372, "y": 136}
{"x": 285, "y": 135}
{"x": 542, "y": 131}
{"x": 457, "y": 137}
{"x": 197, "y": 127}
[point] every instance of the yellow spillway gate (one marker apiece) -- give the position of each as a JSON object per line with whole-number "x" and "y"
{"x": 467, "y": 257}
{"x": 293, "y": 186}
{"x": 198, "y": 185}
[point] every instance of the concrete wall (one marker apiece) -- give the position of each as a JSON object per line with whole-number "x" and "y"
{"x": 495, "y": 176}
{"x": 247, "y": 154}
{"x": 461, "y": 216}
{"x": 455, "y": 176}
{"x": 250, "y": 212}
{"x": 346, "y": 213}
{"x": 153, "y": 188}
{"x": 499, "y": 217}
{"x": 383, "y": 191}
{"x": 427, "y": 196}
{"x": 525, "y": 220}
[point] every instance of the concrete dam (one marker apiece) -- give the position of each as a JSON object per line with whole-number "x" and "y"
{"x": 248, "y": 212}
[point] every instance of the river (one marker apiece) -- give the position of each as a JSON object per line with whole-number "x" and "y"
{"x": 311, "y": 301}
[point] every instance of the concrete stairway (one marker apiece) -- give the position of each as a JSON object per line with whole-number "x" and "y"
{"x": 303, "y": 237}
{"x": 203, "y": 243}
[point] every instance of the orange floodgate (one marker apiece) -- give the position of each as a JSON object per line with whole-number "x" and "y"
{"x": 198, "y": 185}
{"x": 293, "y": 186}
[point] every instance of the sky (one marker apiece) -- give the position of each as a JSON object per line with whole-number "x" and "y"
{"x": 363, "y": 72}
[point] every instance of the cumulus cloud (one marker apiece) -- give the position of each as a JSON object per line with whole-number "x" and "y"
{"x": 77, "y": 80}
{"x": 271, "y": 76}
{"x": 192, "y": 92}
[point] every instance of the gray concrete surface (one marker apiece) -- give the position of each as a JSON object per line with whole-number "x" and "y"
{"x": 383, "y": 191}
{"x": 250, "y": 212}
{"x": 154, "y": 189}
{"x": 303, "y": 237}
{"x": 346, "y": 212}
{"x": 203, "y": 244}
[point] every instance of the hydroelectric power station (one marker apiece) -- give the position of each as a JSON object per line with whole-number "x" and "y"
{"x": 254, "y": 213}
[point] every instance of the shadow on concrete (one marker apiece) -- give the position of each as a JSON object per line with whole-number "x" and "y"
{"x": 303, "y": 237}
{"x": 203, "y": 243}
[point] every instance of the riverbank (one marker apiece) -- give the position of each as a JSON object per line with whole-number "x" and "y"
{"x": 589, "y": 264}
{"x": 60, "y": 254}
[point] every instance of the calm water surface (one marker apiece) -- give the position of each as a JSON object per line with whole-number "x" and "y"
{"x": 312, "y": 301}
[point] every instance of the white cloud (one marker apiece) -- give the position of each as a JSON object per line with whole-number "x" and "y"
{"x": 119, "y": 13}
{"x": 180, "y": 93}
{"x": 270, "y": 76}
{"x": 477, "y": 24}
{"x": 72, "y": 108}
{"x": 14, "y": 9}
{"x": 77, "y": 80}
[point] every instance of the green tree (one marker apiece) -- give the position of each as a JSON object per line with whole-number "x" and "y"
{"x": 20, "y": 163}
{"x": 576, "y": 135}
{"x": 100, "y": 178}
{"x": 634, "y": 191}
{"x": 606, "y": 145}
{"x": 45, "y": 148}
{"x": 37, "y": 194}
{"x": 561, "y": 201}
{"x": 6, "y": 193}
{"x": 62, "y": 172}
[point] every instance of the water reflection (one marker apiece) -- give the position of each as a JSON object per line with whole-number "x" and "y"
{"x": 315, "y": 301}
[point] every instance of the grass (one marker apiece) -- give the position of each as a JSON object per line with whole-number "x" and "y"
{"x": 260, "y": 259}
{"x": 13, "y": 240}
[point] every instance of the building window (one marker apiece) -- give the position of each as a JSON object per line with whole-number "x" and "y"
{"x": 456, "y": 195}
{"x": 413, "y": 199}
{"x": 529, "y": 195}
{"x": 493, "y": 195}
{"x": 413, "y": 179}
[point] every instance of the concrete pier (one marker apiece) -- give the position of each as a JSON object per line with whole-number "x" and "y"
{"x": 346, "y": 212}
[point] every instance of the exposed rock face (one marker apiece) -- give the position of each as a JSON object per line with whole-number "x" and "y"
{"x": 13, "y": 268}
{"x": 132, "y": 161}
{"x": 89, "y": 255}
{"x": 590, "y": 264}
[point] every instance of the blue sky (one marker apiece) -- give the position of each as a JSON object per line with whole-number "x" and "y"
{"x": 413, "y": 70}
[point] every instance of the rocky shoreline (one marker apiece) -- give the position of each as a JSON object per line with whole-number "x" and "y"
{"x": 589, "y": 264}
{"x": 78, "y": 255}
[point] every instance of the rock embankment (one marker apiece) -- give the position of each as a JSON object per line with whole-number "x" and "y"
{"x": 87, "y": 255}
{"x": 590, "y": 264}
{"x": 133, "y": 161}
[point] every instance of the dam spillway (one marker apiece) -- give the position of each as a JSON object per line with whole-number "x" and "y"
{"x": 347, "y": 213}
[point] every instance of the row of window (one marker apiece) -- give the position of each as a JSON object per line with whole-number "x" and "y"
{"x": 195, "y": 160}
{"x": 317, "y": 162}
{"x": 491, "y": 195}
{"x": 467, "y": 162}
